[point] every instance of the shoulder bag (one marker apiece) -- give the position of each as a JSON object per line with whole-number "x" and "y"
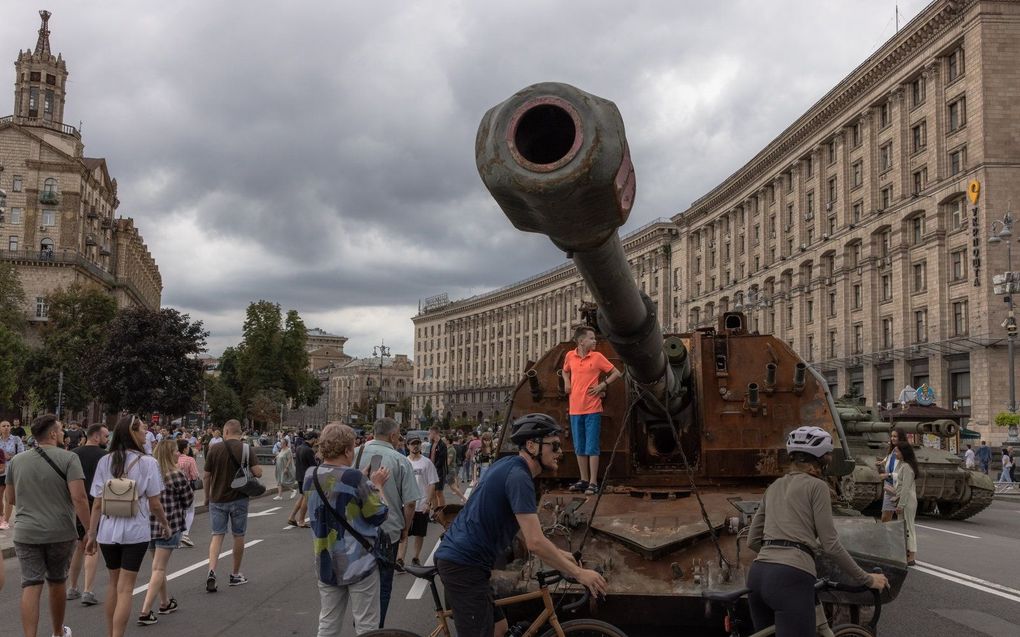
{"x": 382, "y": 549}
{"x": 244, "y": 480}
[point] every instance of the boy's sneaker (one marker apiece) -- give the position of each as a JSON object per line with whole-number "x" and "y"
{"x": 238, "y": 580}
{"x": 169, "y": 608}
{"x": 210, "y": 583}
{"x": 88, "y": 598}
{"x": 579, "y": 486}
{"x": 148, "y": 619}
{"x": 73, "y": 593}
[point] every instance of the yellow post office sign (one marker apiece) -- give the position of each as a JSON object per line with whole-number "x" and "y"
{"x": 974, "y": 191}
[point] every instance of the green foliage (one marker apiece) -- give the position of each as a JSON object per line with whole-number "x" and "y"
{"x": 228, "y": 369}
{"x": 148, "y": 361}
{"x": 12, "y": 298}
{"x": 223, "y": 401}
{"x": 265, "y": 406}
{"x": 1007, "y": 419}
{"x": 13, "y": 354}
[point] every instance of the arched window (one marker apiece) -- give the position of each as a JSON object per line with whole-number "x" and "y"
{"x": 50, "y": 186}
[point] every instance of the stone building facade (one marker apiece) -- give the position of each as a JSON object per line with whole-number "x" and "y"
{"x": 471, "y": 353}
{"x": 850, "y": 236}
{"x": 325, "y": 350}
{"x": 59, "y": 225}
{"x": 355, "y": 386}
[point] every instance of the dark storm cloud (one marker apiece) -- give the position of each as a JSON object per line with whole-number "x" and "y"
{"x": 321, "y": 154}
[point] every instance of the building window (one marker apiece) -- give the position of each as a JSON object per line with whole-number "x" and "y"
{"x": 16, "y": 216}
{"x": 50, "y": 186}
{"x": 919, "y": 136}
{"x": 954, "y": 65}
{"x": 831, "y": 225}
{"x": 810, "y": 308}
{"x": 885, "y": 157}
{"x": 831, "y": 148}
{"x": 886, "y": 287}
{"x": 16, "y": 183}
{"x": 757, "y": 234}
{"x": 887, "y": 333}
{"x": 855, "y": 254}
{"x": 959, "y": 383}
{"x": 41, "y": 307}
{"x": 884, "y": 115}
{"x": 857, "y": 296}
{"x": 858, "y": 338}
{"x": 957, "y": 112}
{"x": 857, "y": 211}
{"x": 855, "y": 135}
{"x": 832, "y": 189}
{"x": 832, "y": 304}
{"x": 12, "y": 244}
{"x": 917, "y": 91}
{"x": 956, "y": 214}
{"x": 917, "y": 230}
{"x": 957, "y": 161}
{"x": 810, "y": 202}
{"x": 919, "y": 278}
{"x": 789, "y": 315}
{"x": 49, "y": 218}
{"x": 832, "y": 344}
{"x": 921, "y": 326}
{"x": 885, "y": 197}
{"x": 811, "y": 347}
{"x": 885, "y": 243}
{"x": 920, "y": 180}
{"x": 857, "y": 173}
{"x": 958, "y": 265}
{"x": 809, "y": 166}
{"x": 960, "y": 318}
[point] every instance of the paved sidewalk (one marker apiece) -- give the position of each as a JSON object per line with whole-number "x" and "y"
{"x": 268, "y": 479}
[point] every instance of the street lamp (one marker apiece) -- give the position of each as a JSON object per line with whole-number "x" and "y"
{"x": 381, "y": 351}
{"x": 1001, "y": 231}
{"x": 756, "y": 300}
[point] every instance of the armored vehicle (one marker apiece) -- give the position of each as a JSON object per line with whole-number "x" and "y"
{"x": 945, "y": 488}
{"x": 696, "y": 433}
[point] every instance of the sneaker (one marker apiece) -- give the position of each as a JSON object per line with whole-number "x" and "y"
{"x": 592, "y": 489}
{"x": 73, "y": 593}
{"x": 66, "y": 632}
{"x": 169, "y": 608}
{"x": 187, "y": 541}
{"x": 147, "y": 619}
{"x": 210, "y": 583}
{"x": 238, "y": 580}
{"x": 88, "y": 598}
{"x": 277, "y": 497}
{"x": 293, "y": 494}
{"x": 415, "y": 561}
{"x": 398, "y": 566}
{"x": 579, "y": 486}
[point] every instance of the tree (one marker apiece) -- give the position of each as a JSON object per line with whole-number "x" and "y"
{"x": 228, "y": 369}
{"x": 12, "y": 358}
{"x": 12, "y": 298}
{"x": 148, "y": 361}
{"x": 76, "y": 324}
{"x": 265, "y": 406}
{"x": 223, "y": 401}
{"x": 258, "y": 361}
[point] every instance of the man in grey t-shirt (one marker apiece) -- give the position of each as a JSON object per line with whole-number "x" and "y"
{"x": 47, "y": 486}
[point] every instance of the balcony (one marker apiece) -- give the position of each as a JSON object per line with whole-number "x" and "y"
{"x": 91, "y": 213}
{"x": 38, "y": 121}
{"x": 90, "y": 240}
{"x": 62, "y": 257}
{"x": 104, "y": 251}
{"x": 49, "y": 197}
{"x": 105, "y": 223}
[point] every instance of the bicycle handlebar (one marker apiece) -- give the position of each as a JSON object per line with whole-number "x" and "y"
{"x": 550, "y": 577}
{"x": 876, "y": 595}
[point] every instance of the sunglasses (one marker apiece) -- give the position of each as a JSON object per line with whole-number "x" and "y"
{"x": 555, "y": 444}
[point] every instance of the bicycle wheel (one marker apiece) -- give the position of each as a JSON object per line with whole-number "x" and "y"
{"x": 586, "y": 628}
{"x": 851, "y": 630}
{"x": 387, "y": 632}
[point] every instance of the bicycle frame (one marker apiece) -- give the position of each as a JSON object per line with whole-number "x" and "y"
{"x": 548, "y": 614}
{"x": 821, "y": 621}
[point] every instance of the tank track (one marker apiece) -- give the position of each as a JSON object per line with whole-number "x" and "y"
{"x": 980, "y": 500}
{"x": 860, "y": 496}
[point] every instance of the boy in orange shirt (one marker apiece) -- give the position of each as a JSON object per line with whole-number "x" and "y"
{"x": 582, "y": 368}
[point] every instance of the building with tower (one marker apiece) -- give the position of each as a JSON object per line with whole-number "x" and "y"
{"x": 59, "y": 224}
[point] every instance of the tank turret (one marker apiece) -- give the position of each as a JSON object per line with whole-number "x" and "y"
{"x": 941, "y": 428}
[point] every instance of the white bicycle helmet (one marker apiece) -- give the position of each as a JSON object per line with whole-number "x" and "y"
{"x": 812, "y": 440}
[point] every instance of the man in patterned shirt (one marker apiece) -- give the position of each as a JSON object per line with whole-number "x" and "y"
{"x": 346, "y": 571}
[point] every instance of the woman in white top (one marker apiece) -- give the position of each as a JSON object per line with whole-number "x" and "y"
{"x": 905, "y": 494}
{"x": 124, "y": 540}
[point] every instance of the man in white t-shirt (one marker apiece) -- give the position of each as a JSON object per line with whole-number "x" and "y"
{"x": 969, "y": 458}
{"x": 426, "y": 476}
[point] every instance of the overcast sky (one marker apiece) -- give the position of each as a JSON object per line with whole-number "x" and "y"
{"x": 321, "y": 154}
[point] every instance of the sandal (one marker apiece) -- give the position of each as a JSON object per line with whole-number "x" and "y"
{"x": 292, "y": 523}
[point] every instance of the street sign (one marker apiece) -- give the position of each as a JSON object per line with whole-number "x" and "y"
{"x": 974, "y": 191}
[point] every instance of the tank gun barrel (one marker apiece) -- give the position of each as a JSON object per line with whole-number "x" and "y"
{"x": 556, "y": 161}
{"x": 941, "y": 428}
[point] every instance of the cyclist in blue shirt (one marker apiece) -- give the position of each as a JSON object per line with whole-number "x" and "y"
{"x": 503, "y": 503}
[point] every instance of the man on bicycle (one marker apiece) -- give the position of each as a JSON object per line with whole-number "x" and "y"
{"x": 503, "y": 503}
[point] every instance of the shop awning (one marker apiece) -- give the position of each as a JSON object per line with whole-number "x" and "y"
{"x": 969, "y": 434}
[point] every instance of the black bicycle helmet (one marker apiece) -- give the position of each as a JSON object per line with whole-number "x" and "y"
{"x": 533, "y": 426}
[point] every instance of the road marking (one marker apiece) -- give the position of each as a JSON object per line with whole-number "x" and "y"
{"x": 970, "y": 581}
{"x": 418, "y": 588}
{"x": 932, "y": 528}
{"x": 193, "y": 567}
{"x": 263, "y": 513}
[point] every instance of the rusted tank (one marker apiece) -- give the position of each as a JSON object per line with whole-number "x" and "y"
{"x": 945, "y": 488}
{"x": 692, "y": 439}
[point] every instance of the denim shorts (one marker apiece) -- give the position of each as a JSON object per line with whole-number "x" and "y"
{"x": 44, "y": 561}
{"x": 585, "y": 430}
{"x": 236, "y": 511}
{"x": 171, "y": 542}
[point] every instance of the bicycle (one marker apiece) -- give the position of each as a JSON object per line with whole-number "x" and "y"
{"x": 733, "y": 624}
{"x": 572, "y": 627}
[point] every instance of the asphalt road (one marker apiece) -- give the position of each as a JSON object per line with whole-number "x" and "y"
{"x": 967, "y": 583}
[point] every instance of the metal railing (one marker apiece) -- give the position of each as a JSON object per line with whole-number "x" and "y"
{"x": 66, "y": 129}
{"x": 69, "y": 257}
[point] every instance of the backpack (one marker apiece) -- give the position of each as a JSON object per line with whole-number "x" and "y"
{"x": 120, "y": 495}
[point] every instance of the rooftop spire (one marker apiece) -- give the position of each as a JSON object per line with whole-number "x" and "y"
{"x": 42, "y": 45}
